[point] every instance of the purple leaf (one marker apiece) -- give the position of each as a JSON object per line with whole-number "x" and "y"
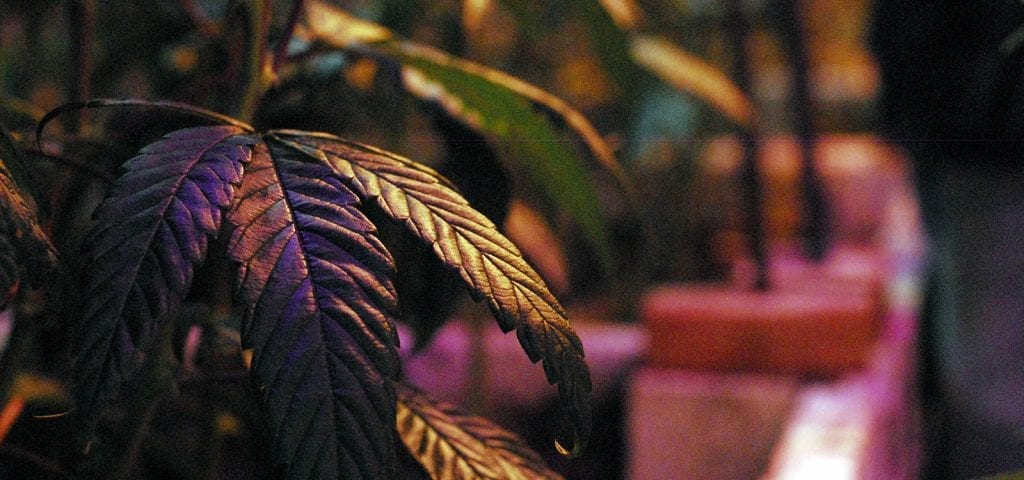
{"x": 489, "y": 264}
{"x": 150, "y": 234}
{"x": 315, "y": 282}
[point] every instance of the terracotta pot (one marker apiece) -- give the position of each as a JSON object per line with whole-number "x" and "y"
{"x": 818, "y": 321}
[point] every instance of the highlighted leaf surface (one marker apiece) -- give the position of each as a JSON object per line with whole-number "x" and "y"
{"x": 515, "y": 113}
{"x": 452, "y": 444}
{"x": 315, "y": 282}
{"x": 468, "y": 243}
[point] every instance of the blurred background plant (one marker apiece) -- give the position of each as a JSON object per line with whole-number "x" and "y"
{"x": 604, "y": 206}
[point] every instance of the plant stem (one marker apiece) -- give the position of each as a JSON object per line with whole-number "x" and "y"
{"x": 815, "y": 216}
{"x": 82, "y": 18}
{"x": 258, "y": 74}
{"x": 262, "y": 66}
{"x": 750, "y": 178}
{"x": 281, "y": 51}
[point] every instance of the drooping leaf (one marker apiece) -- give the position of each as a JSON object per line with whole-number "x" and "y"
{"x": 693, "y": 75}
{"x": 429, "y": 295}
{"x": 24, "y": 247}
{"x": 491, "y": 267}
{"x": 315, "y": 283}
{"x": 504, "y": 107}
{"x": 451, "y": 444}
{"x": 150, "y": 234}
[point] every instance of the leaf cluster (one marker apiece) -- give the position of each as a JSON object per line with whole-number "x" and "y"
{"x": 297, "y": 248}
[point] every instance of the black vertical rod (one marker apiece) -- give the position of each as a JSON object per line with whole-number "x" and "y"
{"x": 750, "y": 177}
{"x": 814, "y": 218}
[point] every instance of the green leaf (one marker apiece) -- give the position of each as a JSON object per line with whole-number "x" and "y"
{"x": 612, "y": 46}
{"x": 451, "y": 444}
{"x": 693, "y": 75}
{"x": 504, "y": 107}
{"x": 491, "y": 267}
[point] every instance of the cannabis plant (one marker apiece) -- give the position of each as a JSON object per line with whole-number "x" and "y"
{"x": 295, "y": 217}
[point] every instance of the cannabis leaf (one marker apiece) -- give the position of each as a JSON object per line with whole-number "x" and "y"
{"x": 694, "y": 75}
{"x": 490, "y": 266}
{"x": 452, "y": 444}
{"x": 525, "y": 118}
{"x": 315, "y": 283}
{"x": 150, "y": 234}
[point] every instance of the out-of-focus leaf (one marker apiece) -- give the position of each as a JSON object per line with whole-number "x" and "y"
{"x": 504, "y": 107}
{"x": 451, "y": 444}
{"x": 33, "y": 388}
{"x": 611, "y": 43}
{"x": 491, "y": 266}
{"x": 151, "y": 233}
{"x": 625, "y": 13}
{"x": 24, "y": 247}
{"x": 315, "y": 284}
{"x": 528, "y": 18}
{"x": 695, "y": 76}
{"x": 527, "y": 229}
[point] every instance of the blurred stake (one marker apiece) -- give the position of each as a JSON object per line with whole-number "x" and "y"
{"x": 750, "y": 178}
{"x": 814, "y": 220}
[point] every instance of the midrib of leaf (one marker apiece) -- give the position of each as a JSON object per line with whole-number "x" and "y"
{"x": 543, "y": 329}
{"x": 341, "y": 412}
{"x": 293, "y": 232}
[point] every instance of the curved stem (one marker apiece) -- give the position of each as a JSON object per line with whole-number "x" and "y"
{"x": 108, "y": 102}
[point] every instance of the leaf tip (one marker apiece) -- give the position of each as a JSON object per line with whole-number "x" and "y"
{"x": 578, "y": 445}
